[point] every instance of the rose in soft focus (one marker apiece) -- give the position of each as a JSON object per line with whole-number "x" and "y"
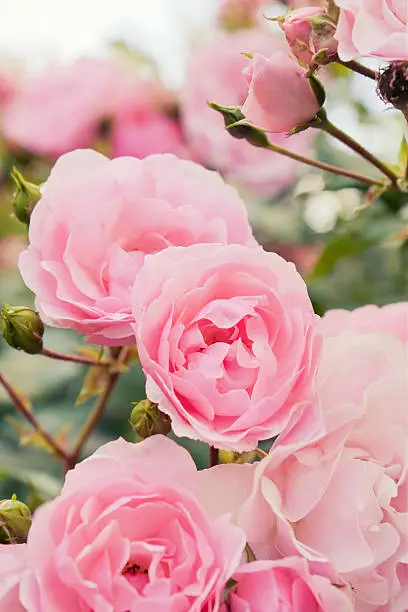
{"x": 128, "y": 533}
{"x": 280, "y": 96}
{"x": 98, "y": 218}
{"x": 61, "y": 109}
{"x": 13, "y": 559}
{"x": 308, "y": 31}
{"x": 234, "y": 14}
{"x": 373, "y": 28}
{"x": 143, "y": 123}
{"x": 285, "y": 585}
{"x": 215, "y": 74}
{"x": 339, "y": 496}
{"x": 226, "y": 338}
{"x": 392, "y": 319}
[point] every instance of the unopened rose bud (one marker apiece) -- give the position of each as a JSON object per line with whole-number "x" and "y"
{"x": 310, "y": 31}
{"x": 147, "y": 420}
{"x": 234, "y": 117}
{"x": 25, "y": 197}
{"x": 22, "y": 328}
{"x": 15, "y": 521}
{"x": 392, "y": 85}
{"x": 280, "y": 96}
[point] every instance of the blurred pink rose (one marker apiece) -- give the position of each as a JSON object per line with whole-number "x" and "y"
{"x": 307, "y": 33}
{"x": 392, "y": 318}
{"x": 142, "y": 124}
{"x": 373, "y": 28}
{"x": 127, "y": 533}
{"x": 98, "y": 218}
{"x": 239, "y": 13}
{"x": 8, "y": 87}
{"x": 12, "y": 567}
{"x": 226, "y": 338}
{"x": 285, "y": 585}
{"x": 215, "y": 74}
{"x": 341, "y": 497}
{"x": 60, "y": 109}
{"x": 280, "y": 96}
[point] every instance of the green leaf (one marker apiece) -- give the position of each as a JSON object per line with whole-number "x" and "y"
{"x": 403, "y": 154}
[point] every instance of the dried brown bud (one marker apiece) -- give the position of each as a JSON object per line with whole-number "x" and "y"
{"x": 392, "y": 85}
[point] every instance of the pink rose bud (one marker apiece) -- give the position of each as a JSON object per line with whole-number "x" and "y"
{"x": 309, "y": 30}
{"x": 280, "y": 96}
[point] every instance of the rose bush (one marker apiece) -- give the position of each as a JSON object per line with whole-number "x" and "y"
{"x": 226, "y": 337}
{"x": 127, "y": 533}
{"x": 373, "y": 28}
{"x": 215, "y": 74}
{"x": 95, "y": 223}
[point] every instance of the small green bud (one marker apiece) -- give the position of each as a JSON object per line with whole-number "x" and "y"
{"x": 22, "y": 328}
{"x": 239, "y": 127}
{"x": 15, "y": 521}
{"x": 25, "y": 196}
{"x": 147, "y": 420}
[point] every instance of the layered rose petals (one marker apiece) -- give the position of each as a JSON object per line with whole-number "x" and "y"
{"x": 226, "y": 337}
{"x": 128, "y": 534}
{"x": 98, "y": 218}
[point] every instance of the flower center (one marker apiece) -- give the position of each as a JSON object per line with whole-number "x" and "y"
{"x": 133, "y": 569}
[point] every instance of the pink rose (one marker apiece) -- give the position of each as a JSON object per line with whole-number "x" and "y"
{"x": 142, "y": 124}
{"x": 12, "y": 568}
{"x": 392, "y": 318}
{"x": 307, "y": 33}
{"x": 285, "y": 585}
{"x": 60, "y": 110}
{"x": 96, "y": 221}
{"x": 280, "y": 96}
{"x": 373, "y": 28}
{"x": 128, "y": 534}
{"x": 215, "y": 73}
{"x": 226, "y": 338}
{"x": 339, "y": 496}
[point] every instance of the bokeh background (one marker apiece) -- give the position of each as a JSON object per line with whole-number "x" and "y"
{"x": 351, "y": 249}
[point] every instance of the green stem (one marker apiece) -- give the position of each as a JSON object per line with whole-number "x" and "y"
{"x": 73, "y": 358}
{"x": 356, "y": 67}
{"x": 93, "y": 419}
{"x": 21, "y": 406}
{"x": 322, "y": 166}
{"x": 328, "y": 127}
{"x": 119, "y": 354}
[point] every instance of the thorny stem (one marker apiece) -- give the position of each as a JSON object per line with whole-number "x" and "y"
{"x": 323, "y": 166}
{"x": 328, "y": 127}
{"x": 97, "y": 411}
{"x": 21, "y": 406}
{"x": 74, "y": 358}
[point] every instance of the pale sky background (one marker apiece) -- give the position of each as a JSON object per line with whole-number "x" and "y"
{"x": 37, "y": 31}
